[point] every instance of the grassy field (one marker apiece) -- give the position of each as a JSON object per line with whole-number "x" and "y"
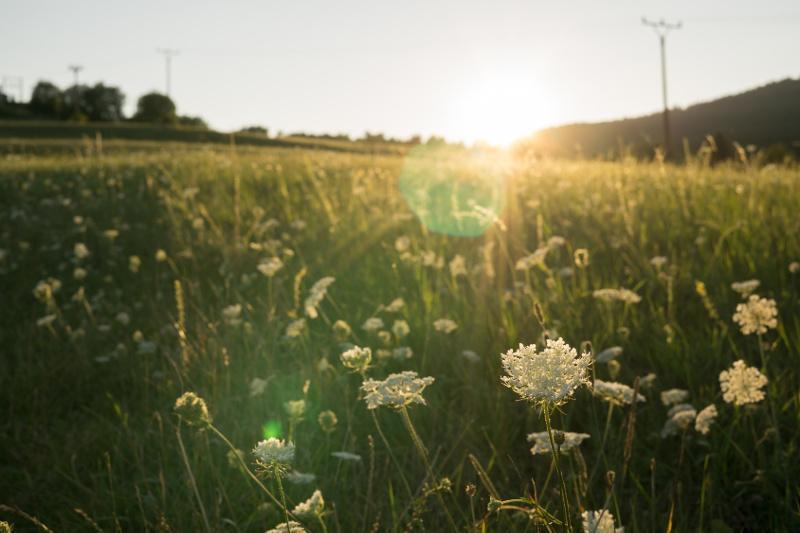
{"x": 129, "y": 278}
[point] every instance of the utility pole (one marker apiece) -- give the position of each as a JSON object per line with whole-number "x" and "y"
{"x": 168, "y": 54}
{"x": 76, "y": 70}
{"x": 662, "y": 28}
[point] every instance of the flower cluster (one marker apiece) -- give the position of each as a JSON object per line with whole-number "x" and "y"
{"x": 541, "y": 442}
{"x": 192, "y": 409}
{"x": 620, "y": 295}
{"x": 357, "y": 358}
{"x": 551, "y": 375}
{"x": 274, "y": 455}
{"x": 615, "y": 393}
{"x": 599, "y": 522}
{"x": 396, "y": 391}
{"x": 742, "y": 384}
{"x": 316, "y": 295}
{"x": 314, "y": 506}
{"x": 757, "y": 315}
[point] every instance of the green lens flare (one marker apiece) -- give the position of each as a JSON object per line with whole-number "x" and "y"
{"x": 272, "y": 429}
{"x": 454, "y": 190}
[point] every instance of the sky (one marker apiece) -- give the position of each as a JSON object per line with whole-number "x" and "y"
{"x": 490, "y": 70}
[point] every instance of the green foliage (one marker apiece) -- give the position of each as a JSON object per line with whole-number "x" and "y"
{"x": 156, "y": 108}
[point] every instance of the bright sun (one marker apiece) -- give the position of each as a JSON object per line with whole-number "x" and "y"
{"x": 500, "y": 109}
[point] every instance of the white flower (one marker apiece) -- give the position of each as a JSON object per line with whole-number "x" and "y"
{"x": 599, "y": 522}
{"x": 541, "y": 442}
{"x": 396, "y": 391}
{"x": 622, "y": 295}
{"x": 341, "y": 329}
{"x": 123, "y": 318}
{"x": 615, "y": 393}
{"x": 295, "y": 408}
{"x": 134, "y": 263}
{"x": 445, "y": 325}
{"x": 316, "y": 295}
{"x": 81, "y": 251}
{"x": 609, "y": 354}
{"x": 288, "y": 527}
{"x": 46, "y": 321}
{"x": 270, "y": 266}
{"x": 458, "y": 266}
{"x": 79, "y": 273}
{"x": 299, "y": 478}
{"x": 658, "y": 261}
{"x": 551, "y": 375}
{"x": 111, "y": 234}
{"x": 757, "y": 315}
{"x": 400, "y": 329}
{"x": 402, "y": 352}
{"x": 372, "y": 324}
{"x": 314, "y": 506}
{"x": 530, "y": 261}
{"x": 161, "y": 255}
{"x": 395, "y": 306}
{"x": 673, "y": 396}
{"x": 402, "y": 243}
{"x": 745, "y": 288}
{"x": 357, "y": 358}
{"x": 741, "y": 384}
{"x": 296, "y": 328}
{"x": 794, "y": 267}
{"x": 347, "y": 456}
{"x": 274, "y": 452}
{"x": 647, "y": 381}
{"x": 232, "y": 314}
{"x": 705, "y": 418}
{"x": 556, "y": 241}
{"x": 257, "y": 387}
{"x": 680, "y": 418}
{"x": 471, "y": 356}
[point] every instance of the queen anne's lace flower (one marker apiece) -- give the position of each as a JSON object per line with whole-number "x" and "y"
{"x": 551, "y": 375}
{"x": 396, "y": 391}
{"x": 400, "y": 329}
{"x": 673, "y": 396}
{"x": 530, "y": 261}
{"x": 372, "y": 324}
{"x": 599, "y": 522}
{"x": 706, "y": 417}
{"x": 270, "y": 266}
{"x": 288, "y": 527}
{"x": 621, "y": 295}
{"x": 541, "y": 442}
{"x": 445, "y": 325}
{"x": 314, "y": 506}
{"x": 745, "y": 288}
{"x": 458, "y": 266}
{"x": 616, "y": 393}
{"x": 274, "y": 452}
{"x": 757, "y": 315}
{"x": 680, "y": 417}
{"x": 356, "y": 358}
{"x": 742, "y": 384}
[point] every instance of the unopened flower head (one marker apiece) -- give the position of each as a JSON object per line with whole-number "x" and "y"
{"x": 581, "y": 257}
{"x": 314, "y": 506}
{"x": 357, "y": 358}
{"x": 615, "y": 393}
{"x": 742, "y": 384}
{"x": 705, "y": 418}
{"x": 541, "y": 442}
{"x": 757, "y": 315}
{"x": 551, "y": 375}
{"x": 620, "y": 295}
{"x": 192, "y": 409}
{"x": 396, "y": 391}
{"x": 341, "y": 329}
{"x": 673, "y": 396}
{"x": 599, "y": 522}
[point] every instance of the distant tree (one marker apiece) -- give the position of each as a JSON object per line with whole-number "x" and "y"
{"x": 102, "y": 103}
{"x": 74, "y": 103}
{"x": 157, "y": 108}
{"x": 47, "y": 100}
{"x": 193, "y": 122}
{"x": 258, "y": 130}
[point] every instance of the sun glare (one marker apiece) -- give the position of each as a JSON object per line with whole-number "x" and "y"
{"x": 500, "y": 109}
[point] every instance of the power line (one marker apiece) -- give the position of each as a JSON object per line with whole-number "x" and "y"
{"x": 76, "y": 69}
{"x": 662, "y": 28}
{"x": 168, "y": 54}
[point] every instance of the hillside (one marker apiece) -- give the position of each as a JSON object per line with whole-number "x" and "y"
{"x": 763, "y": 116}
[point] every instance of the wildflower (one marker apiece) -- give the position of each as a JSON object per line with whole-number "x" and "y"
{"x": 658, "y": 261}
{"x": 316, "y": 295}
{"x": 757, "y": 315}
{"x": 137, "y": 336}
{"x": 274, "y": 453}
{"x": 123, "y": 318}
{"x": 742, "y": 384}
{"x": 794, "y": 267}
{"x": 608, "y": 354}
{"x": 257, "y": 387}
{"x": 192, "y": 409}
{"x": 622, "y": 295}
{"x": 396, "y": 305}
{"x": 705, "y": 418}
{"x": 599, "y": 522}
{"x": 296, "y": 328}
{"x": 551, "y": 375}
{"x": 347, "y": 456}
{"x": 161, "y": 255}
{"x": 402, "y": 352}
{"x": 232, "y": 314}
{"x": 295, "y": 409}
{"x": 385, "y": 337}
{"x": 357, "y": 358}
{"x": 327, "y": 421}
{"x": 400, "y": 329}
{"x": 81, "y": 251}
{"x": 615, "y": 393}
{"x": 532, "y": 260}
{"x": 396, "y": 391}
{"x": 541, "y": 442}
{"x": 556, "y": 241}
{"x": 111, "y": 234}
{"x": 288, "y": 527}
{"x": 372, "y": 324}
{"x": 458, "y": 266}
{"x": 646, "y": 381}
{"x": 46, "y": 321}
{"x": 299, "y": 478}
{"x": 314, "y": 506}
{"x": 79, "y": 274}
{"x": 402, "y": 244}
{"x": 470, "y": 356}
{"x": 341, "y": 329}
{"x": 673, "y": 396}
{"x": 581, "y": 257}
{"x": 745, "y": 288}
{"x": 445, "y": 325}
{"x": 680, "y": 418}
{"x": 270, "y": 266}
{"x": 134, "y": 263}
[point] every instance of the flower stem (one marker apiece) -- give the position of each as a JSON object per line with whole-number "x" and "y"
{"x": 555, "y": 451}
{"x": 277, "y": 475}
{"x": 191, "y": 478}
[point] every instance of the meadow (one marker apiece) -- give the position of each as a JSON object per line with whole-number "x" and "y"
{"x": 242, "y": 275}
